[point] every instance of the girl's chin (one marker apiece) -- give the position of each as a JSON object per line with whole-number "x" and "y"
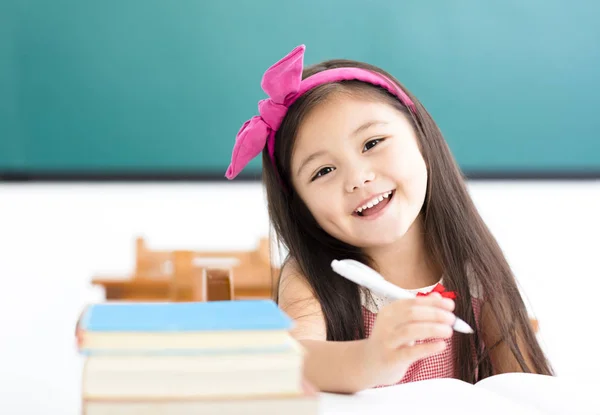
{"x": 370, "y": 241}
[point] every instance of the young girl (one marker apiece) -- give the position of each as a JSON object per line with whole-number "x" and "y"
{"x": 354, "y": 167}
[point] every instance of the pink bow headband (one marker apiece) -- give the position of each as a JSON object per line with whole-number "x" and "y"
{"x": 284, "y": 85}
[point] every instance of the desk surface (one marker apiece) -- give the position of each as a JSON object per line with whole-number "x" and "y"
{"x": 518, "y": 395}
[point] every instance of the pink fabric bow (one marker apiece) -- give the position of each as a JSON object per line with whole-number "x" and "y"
{"x": 283, "y": 83}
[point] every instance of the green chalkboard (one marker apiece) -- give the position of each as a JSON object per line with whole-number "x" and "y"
{"x": 163, "y": 86}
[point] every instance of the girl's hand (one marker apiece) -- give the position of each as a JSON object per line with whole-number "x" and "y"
{"x": 391, "y": 348}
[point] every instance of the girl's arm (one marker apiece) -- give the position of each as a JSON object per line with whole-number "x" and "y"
{"x": 329, "y": 366}
{"x": 503, "y": 359}
{"x": 383, "y": 358}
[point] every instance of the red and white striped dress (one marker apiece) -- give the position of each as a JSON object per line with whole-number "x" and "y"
{"x": 440, "y": 365}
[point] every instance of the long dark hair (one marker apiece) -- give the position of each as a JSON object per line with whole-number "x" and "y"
{"x": 456, "y": 236}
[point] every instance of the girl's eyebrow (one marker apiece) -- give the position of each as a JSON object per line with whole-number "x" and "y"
{"x": 361, "y": 128}
{"x": 309, "y": 159}
{"x": 368, "y": 125}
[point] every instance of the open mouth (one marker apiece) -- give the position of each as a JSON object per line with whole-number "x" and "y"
{"x": 373, "y": 208}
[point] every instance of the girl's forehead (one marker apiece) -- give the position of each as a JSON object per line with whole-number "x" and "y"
{"x": 342, "y": 115}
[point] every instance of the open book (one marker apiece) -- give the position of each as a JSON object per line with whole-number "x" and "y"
{"x": 509, "y": 393}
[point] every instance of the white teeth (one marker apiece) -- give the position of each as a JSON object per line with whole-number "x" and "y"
{"x": 374, "y": 202}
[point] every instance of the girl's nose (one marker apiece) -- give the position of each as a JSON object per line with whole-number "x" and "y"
{"x": 357, "y": 178}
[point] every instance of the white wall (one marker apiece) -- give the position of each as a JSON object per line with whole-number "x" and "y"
{"x": 55, "y": 237}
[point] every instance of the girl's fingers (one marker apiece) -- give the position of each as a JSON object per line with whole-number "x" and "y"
{"x": 421, "y": 351}
{"x": 436, "y": 300}
{"x": 411, "y": 332}
{"x": 429, "y": 314}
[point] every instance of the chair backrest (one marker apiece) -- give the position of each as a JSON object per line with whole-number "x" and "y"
{"x": 152, "y": 264}
{"x": 184, "y": 270}
{"x": 201, "y": 279}
{"x": 215, "y": 284}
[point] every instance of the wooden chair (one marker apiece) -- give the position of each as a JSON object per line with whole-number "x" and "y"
{"x": 217, "y": 285}
{"x": 153, "y": 264}
{"x": 253, "y": 270}
{"x": 185, "y": 275}
{"x": 201, "y": 279}
{"x": 191, "y": 276}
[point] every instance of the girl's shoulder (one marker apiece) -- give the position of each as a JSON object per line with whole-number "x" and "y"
{"x": 291, "y": 274}
{"x": 297, "y": 300}
{"x": 293, "y": 286}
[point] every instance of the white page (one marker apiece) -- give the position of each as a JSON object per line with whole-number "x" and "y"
{"x": 435, "y": 396}
{"x": 553, "y": 395}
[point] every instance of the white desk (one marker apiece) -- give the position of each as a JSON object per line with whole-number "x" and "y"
{"x": 526, "y": 395}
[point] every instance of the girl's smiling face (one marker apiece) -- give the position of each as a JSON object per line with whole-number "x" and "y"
{"x": 350, "y": 153}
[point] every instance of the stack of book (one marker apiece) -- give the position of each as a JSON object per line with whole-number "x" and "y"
{"x": 230, "y": 357}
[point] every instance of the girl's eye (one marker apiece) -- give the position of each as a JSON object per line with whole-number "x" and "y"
{"x": 322, "y": 172}
{"x": 370, "y": 144}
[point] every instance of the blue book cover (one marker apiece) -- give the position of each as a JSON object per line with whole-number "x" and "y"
{"x": 186, "y": 317}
